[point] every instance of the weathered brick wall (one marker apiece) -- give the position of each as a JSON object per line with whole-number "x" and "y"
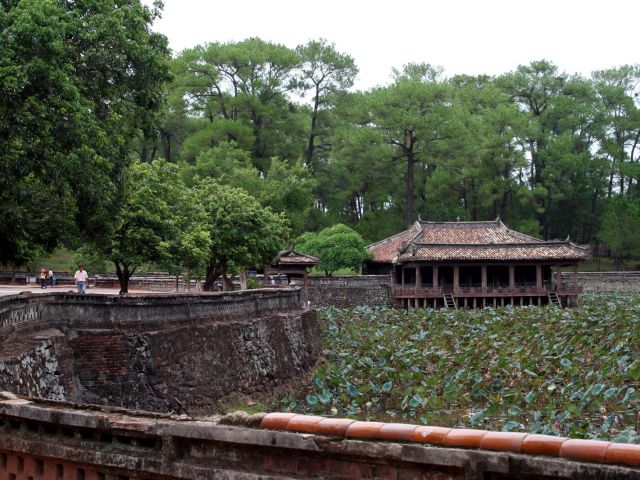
{"x": 602, "y": 282}
{"x": 371, "y": 290}
{"x": 183, "y": 353}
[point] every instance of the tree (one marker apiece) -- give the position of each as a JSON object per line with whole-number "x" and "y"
{"x": 618, "y": 231}
{"x": 240, "y": 92}
{"x": 337, "y": 247}
{"x": 244, "y": 234}
{"x": 77, "y": 80}
{"x": 328, "y": 74}
{"x": 415, "y": 118}
{"x": 161, "y": 222}
{"x": 617, "y": 97}
{"x": 286, "y": 187}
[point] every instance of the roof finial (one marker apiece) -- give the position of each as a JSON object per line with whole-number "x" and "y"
{"x": 457, "y": 218}
{"x": 498, "y": 218}
{"x": 566, "y": 239}
{"x": 419, "y": 217}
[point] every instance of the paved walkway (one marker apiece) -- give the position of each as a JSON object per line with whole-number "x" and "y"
{"x": 34, "y": 289}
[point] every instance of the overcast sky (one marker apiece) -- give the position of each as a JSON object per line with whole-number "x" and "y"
{"x": 463, "y": 36}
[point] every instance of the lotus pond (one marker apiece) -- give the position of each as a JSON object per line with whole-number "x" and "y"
{"x": 573, "y": 372}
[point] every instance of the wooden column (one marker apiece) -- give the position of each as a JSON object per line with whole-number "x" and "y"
{"x": 539, "y": 276}
{"x": 418, "y": 277}
{"x": 484, "y": 278}
{"x": 435, "y": 276}
{"x": 512, "y": 276}
{"x": 558, "y": 276}
{"x": 456, "y": 278}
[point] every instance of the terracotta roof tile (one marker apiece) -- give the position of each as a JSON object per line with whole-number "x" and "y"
{"x": 426, "y": 434}
{"x": 522, "y": 251}
{"x": 386, "y": 250}
{"x": 445, "y": 241}
{"x": 503, "y": 441}
{"x": 586, "y": 450}
{"x": 400, "y": 432}
{"x": 478, "y": 233}
{"x": 304, "y": 423}
{"x": 464, "y": 437}
{"x": 542, "y": 445}
{"x": 516, "y": 442}
{"x": 363, "y": 429}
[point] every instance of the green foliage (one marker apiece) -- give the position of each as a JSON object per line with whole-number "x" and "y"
{"x": 544, "y": 370}
{"x": 161, "y": 222}
{"x": 286, "y": 188}
{"x": 243, "y": 233}
{"x": 337, "y": 247}
{"x": 77, "y": 81}
{"x": 92, "y": 259}
{"x": 616, "y": 233}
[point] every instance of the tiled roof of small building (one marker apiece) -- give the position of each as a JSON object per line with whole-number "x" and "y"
{"x": 444, "y": 241}
{"x": 291, "y": 257}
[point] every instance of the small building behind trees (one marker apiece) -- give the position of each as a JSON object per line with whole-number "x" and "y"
{"x": 295, "y": 265}
{"x": 474, "y": 265}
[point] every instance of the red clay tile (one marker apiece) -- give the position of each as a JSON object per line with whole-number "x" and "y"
{"x": 503, "y": 441}
{"x": 542, "y": 445}
{"x": 399, "y": 432}
{"x": 426, "y": 434}
{"x": 304, "y": 423}
{"x": 586, "y": 450}
{"x": 363, "y": 429}
{"x": 623, "y": 453}
{"x": 334, "y": 426}
{"x": 463, "y": 437}
{"x": 277, "y": 421}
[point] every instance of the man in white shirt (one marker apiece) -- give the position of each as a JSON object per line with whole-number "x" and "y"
{"x": 81, "y": 277}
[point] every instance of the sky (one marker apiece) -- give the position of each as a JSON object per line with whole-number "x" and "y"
{"x": 463, "y": 36}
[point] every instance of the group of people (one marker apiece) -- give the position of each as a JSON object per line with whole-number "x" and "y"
{"x": 81, "y": 277}
{"x": 46, "y": 277}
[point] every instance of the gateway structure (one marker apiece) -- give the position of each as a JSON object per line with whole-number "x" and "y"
{"x": 475, "y": 264}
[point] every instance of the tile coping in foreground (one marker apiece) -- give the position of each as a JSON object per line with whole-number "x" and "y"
{"x": 513, "y": 442}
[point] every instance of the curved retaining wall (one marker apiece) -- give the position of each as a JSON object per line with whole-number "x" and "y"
{"x": 183, "y": 353}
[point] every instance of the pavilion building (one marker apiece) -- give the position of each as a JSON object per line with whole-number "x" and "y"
{"x": 475, "y": 265}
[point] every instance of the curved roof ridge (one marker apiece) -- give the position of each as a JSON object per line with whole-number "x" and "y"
{"x": 539, "y": 243}
{"x": 461, "y": 222}
{"x": 395, "y": 236}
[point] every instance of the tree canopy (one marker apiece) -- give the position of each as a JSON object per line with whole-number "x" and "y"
{"x": 77, "y": 81}
{"x": 546, "y": 151}
{"x": 337, "y": 247}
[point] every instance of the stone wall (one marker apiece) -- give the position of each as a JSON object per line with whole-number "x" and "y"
{"x": 371, "y": 290}
{"x": 49, "y": 441}
{"x": 182, "y": 353}
{"x": 603, "y": 282}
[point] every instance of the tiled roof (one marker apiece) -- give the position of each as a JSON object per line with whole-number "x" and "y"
{"x": 491, "y": 241}
{"x": 513, "y": 442}
{"x": 386, "y": 250}
{"x": 475, "y": 233}
{"x": 513, "y": 251}
{"x": 291, "y": 257}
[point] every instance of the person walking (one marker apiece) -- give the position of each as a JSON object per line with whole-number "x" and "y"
{"x": 81, "y": 277}
{"x": 43, "y": 278}
{"x": 52, "y": 278}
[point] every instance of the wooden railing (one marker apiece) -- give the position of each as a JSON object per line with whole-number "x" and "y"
{"x": 478, "y": 291}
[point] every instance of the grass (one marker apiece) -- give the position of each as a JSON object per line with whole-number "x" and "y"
{"x": 573, "y": 372}
{"x": 59, "y": 260}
